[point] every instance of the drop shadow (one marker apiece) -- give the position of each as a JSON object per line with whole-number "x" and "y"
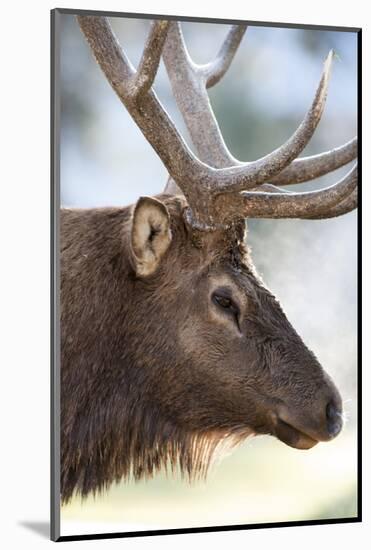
{"x": 41, "y": 528}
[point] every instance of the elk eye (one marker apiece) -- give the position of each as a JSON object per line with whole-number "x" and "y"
{"x": 222, "y": 301}
{"x": 227, "y": 304}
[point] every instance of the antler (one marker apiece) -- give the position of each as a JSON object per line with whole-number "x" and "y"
{"x": 213, "y": 183}
{"x": 206, "y": 136}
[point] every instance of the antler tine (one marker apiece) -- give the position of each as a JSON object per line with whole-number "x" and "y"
{"x": 249, "y": 175}
{"x": 309, "y": 205}
{"x": 343, "y": 207}
{"x": 215, "y": 70}
{"x": 188, "y": 82}
{"x": 309, "y": 168}
{"x": 194, "y": 105}
{"x": 151, "y": 56}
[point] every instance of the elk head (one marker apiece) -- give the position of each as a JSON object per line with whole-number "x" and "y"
{"x": 240, "y": 366}
{"x": 226, "y": 360}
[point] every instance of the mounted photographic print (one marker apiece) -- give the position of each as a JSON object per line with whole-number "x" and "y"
{"x": 204, "y": 281}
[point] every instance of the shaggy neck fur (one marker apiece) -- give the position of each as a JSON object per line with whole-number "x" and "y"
{"x": 145, "y": 444}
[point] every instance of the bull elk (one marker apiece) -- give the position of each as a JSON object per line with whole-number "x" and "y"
{"x": 172, "y": 346}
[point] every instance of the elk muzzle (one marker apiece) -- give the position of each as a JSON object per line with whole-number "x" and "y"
{"x": 304, "y": 427}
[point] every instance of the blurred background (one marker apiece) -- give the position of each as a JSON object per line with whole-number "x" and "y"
{"x": 309, "y": 265}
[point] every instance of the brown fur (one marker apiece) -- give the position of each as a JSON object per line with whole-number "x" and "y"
{"x": 153, "y": 375}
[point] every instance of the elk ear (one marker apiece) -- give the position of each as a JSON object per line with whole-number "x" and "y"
{"x": 150, "y": 234}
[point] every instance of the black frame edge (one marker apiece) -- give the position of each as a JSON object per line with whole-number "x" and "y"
{"x": 54, "y": 278}
{"x": 132, "y": 15}
{"x": 195, "y": 530}
{"x": 359, "y": 278}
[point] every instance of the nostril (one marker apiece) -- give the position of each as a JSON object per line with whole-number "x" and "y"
{"x": 334, "y": 419}
{"x": 331, "y": 412}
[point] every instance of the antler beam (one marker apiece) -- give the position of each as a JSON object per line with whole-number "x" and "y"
{"x": 150, "y": 61}
{"x": 215, "y": 70}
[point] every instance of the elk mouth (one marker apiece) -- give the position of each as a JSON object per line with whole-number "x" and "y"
{"x": 292, "y": 436}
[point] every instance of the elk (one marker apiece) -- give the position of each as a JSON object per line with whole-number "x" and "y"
{"x": 172, "y": 346}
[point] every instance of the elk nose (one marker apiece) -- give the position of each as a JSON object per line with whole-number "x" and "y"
{"x": 334, "y": 419}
